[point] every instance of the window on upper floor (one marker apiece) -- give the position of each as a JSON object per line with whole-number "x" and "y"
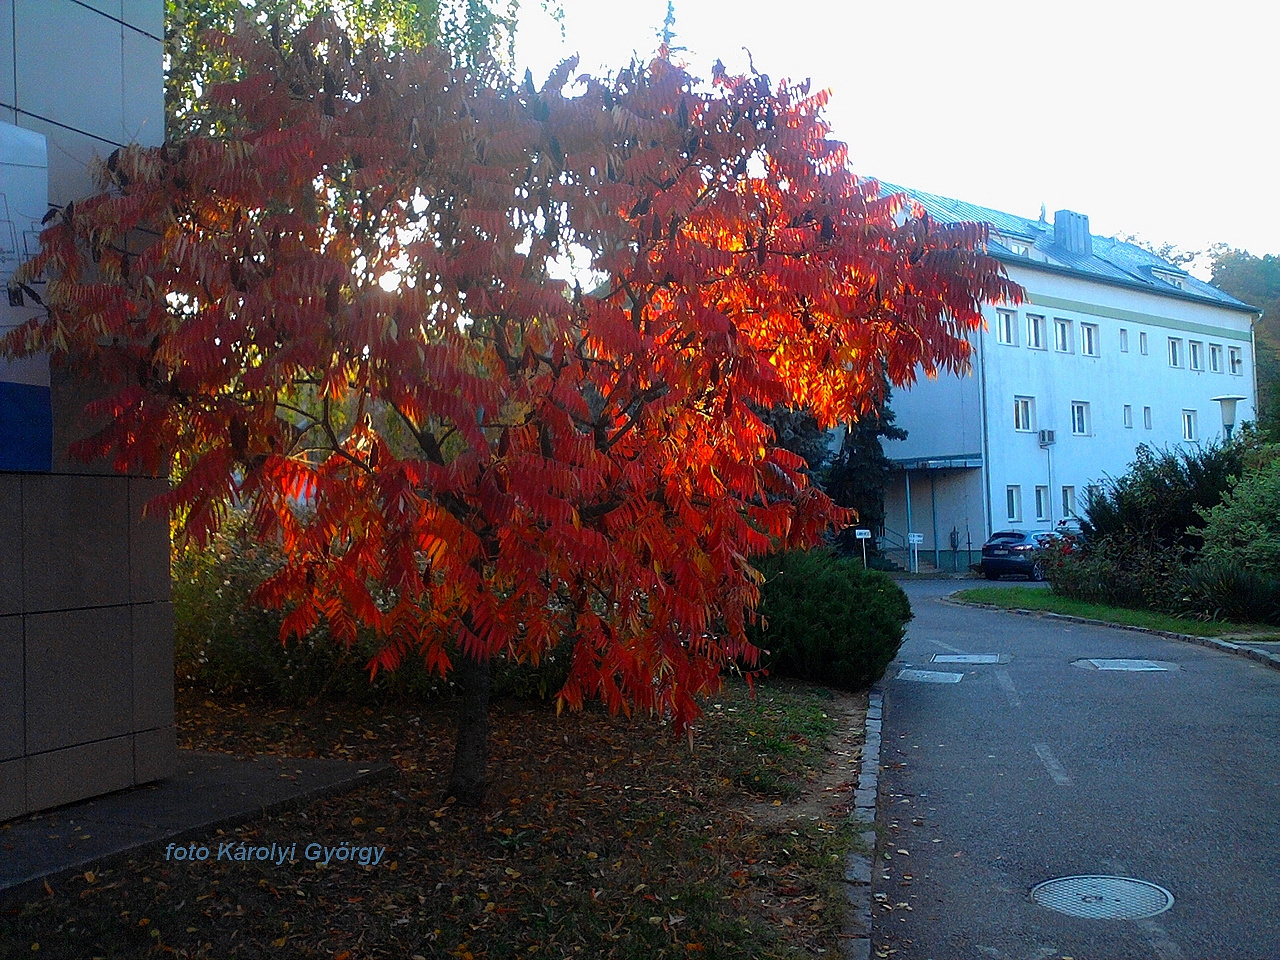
{"x": 1007, "y": 327}
{"x": 1013, "y": 503}
{"x": 1089, "y": 339}
{"x": 1124, "y": 340}
{"x": 1024, "y": 414}
{"x": 1195, "y": 354}
{"x": 1035, "y": 332}
{"x": 1215, "y": 357}
{"x": 1079, "y": 418}
{"x": 1061, "y": 335}
{"x": 1175, "y": 352}
{"x": 1189, "y": 425}
{"x": 1235, "y": 360}
{"x": 1127, "y": 417}
{"x": 1146, "y": 418}
{"x": 1173, "y": 279}
{"x": 1142, "y": 343}
{"x": 1042, "y": 503}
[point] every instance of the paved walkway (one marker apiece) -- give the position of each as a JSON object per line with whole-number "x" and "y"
{"x": 210, "y": 791}
{"x": 1044, "y": 765}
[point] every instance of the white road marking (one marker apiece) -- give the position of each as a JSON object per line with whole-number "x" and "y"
{"x": 944, "y": 646}
{"x": 966, "y": 658}
{"x": 1056, "y": 770}
{"x": 1010, "y": 691}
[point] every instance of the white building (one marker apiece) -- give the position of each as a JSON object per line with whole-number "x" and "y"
{"x": 1112, "y": 347}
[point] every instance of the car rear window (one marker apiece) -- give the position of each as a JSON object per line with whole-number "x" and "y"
{"x": 1008, "y": 536}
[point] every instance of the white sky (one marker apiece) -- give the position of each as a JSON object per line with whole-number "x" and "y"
{"x": 1157, "y": 119}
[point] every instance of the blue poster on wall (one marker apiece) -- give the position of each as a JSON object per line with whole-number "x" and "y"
{"x": 26, "y": 407}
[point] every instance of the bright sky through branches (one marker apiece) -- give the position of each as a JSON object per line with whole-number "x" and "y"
{"x": 1151, "y": 118}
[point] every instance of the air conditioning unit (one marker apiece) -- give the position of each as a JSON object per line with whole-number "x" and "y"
{"x": 1046, "y": 438}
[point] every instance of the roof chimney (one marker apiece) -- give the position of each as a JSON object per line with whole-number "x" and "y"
{"x": 1071, "y": 232}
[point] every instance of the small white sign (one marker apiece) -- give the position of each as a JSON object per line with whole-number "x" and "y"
{"x": 862, "y": 534}
{"x": 915, "y": 538}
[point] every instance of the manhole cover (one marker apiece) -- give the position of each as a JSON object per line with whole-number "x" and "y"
{"x": 966, "y": 658}
{"x": 1102, "y": 898}
{"x": 1127, "y": 666}
{"x": 929, "y": 676}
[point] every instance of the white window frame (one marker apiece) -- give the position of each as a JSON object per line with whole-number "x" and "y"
{"x": 1068, "y": 501}
{"x": 1089, "y": 339}
{"x": 1062, "y": 341}
{"x": 1079, "y": 418}
{"x": 1124, "y": 340}
{"x": 1146, "y": 418}
{"x": 1042, "y": 502}
{"x": 1127, "y": 416}
{"x": 1142, "y": 342}
{"x": 1024, "y": 414}
{"x": 1215, "y": 358}
{"x": 1189, "y": 431}
{"x": 1195, "y": 355}
{"x": 1035, "y": 332}
{"x": 1007, "y": 327}
{"x": 1235, "y": 361}
{"x": 1013, "y": 502}
{"x": 1175, "y": 352}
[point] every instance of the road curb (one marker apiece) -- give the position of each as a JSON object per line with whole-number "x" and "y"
{"x": 856, "y": 941}
{"x": 1226, "y": 646}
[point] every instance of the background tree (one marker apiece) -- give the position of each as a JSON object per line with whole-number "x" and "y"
{"x": 858, "y": 475}
{"x": 1256, "y": 281}
{"x": 349, "y": 322}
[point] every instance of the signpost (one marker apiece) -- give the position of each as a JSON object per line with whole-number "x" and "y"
{"x": 863, "y": 536}
{"x": 915, "y": 539}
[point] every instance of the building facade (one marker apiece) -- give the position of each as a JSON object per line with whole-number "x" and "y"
{"x": 86, "y": 624}
{"x": 1113, "y": 347}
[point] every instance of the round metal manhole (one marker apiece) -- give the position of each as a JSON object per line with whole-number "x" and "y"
{"x": 1102, "y": 898}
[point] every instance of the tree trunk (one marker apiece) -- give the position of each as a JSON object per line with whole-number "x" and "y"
{"x": 471, "y": 753}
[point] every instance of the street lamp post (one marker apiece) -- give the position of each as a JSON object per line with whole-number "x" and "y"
{"x": 1228, "y": 404}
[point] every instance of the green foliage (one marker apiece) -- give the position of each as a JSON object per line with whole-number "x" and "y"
{"x": 1225, "y": 589}
{"x": 1118, "y": 571}
{"x": 1245, "y": 527}
{"x": 827, "y": 620}
{"x": 1158, "y": 503}
{"x": 473, "y": 30}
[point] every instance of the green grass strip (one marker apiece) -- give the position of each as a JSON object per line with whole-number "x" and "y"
{"x": 1030, "y": 598}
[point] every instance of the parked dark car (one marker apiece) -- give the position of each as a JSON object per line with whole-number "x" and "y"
{"x": 1014, "y": 552}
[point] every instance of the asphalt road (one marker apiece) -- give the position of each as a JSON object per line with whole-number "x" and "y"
{"x": 1034, "y": 769}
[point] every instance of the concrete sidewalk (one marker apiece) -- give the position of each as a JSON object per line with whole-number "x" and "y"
{"x": 210, "y": 791}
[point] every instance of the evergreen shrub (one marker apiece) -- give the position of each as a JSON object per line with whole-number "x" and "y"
{"x": 826, "y": 620}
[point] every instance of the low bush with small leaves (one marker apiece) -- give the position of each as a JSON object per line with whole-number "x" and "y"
{"x": 826, "y": 620}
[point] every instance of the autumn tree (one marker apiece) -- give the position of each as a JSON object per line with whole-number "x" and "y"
{"x": 349, "y": 319}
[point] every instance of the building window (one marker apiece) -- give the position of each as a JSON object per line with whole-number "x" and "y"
{"x": 1013, "y": 503}
{"x": 1062, "y": 335}
{"x": 1175, "y": 352}
{"x": 1215, "y": 357}
{"x": 1128, "y": 417}
{"x": 1235, "y": 360}
{"x": 1042, "y": 503}
{"x": 1142, "y": 343}
{"x": 1035, "y": 332}
{"x": 1068, "y": 501}
{"x": 1124, "y": 340}
{"x": 1079, "y": 418}
{"x": 1188, "y": 425}
{"x": 1024, "y": 414}
{"x": 1089, "y": 339}
{"x": 1146, "y": 418}
{"x": 1195, "y": 354}
{"x": 1007, "y": 327}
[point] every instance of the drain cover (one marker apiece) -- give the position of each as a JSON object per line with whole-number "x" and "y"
{"x": 966, "y": 658}
{"x": 929, "y": 676}
{"x": 1129, "y": 666}
{"x": 1102, "y": 898}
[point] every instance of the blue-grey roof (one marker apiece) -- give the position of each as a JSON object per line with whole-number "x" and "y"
{"x": 1111, "y": 260}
